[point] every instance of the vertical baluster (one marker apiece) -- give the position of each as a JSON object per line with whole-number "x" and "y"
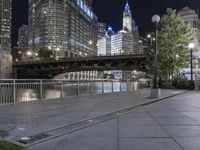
{"x": 102, "y": 86}
{"x": 62, "y": 89}
{"x": 14, "y": 91}
{"x": 78, "y": 88}
{"x": 41, "y": 89}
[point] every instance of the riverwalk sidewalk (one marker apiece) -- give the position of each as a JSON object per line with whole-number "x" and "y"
{"x": 30, "y": 118}
{"x": 172, "y": 124}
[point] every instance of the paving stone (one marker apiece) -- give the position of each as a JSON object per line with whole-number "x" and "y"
{"x": 189, "y": 143}
{"x": 183, "y": 131}
{"x": 177, "y": 121}
{"x": 148, "y": 144}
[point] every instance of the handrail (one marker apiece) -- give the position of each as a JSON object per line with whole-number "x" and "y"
{"x": 23, "y": 90}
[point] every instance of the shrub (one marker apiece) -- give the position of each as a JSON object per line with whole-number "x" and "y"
{"x": 181, "y": 83}
{"x": 9, "y": 146}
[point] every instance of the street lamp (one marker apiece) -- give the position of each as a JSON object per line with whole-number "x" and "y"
{"x": 155, "y": 92}
{"x": 191, "y": 47}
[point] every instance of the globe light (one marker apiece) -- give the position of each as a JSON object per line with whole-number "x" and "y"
{"x": 156, "y": 19}
{"x": 58, "y": 49}
{"x": 191, "y": 45}
{"x": 90, "y": 42}
{"x": 149, "y": 36}
{"x": 29, "y": 53}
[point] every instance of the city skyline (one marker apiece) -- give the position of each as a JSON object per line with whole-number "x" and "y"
{"x": 110, "y": 16}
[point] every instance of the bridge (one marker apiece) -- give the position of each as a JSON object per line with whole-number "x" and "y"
{"x": 49, "y": 68}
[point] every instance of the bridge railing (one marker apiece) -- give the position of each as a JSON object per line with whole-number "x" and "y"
{"x": 12, "y": 91}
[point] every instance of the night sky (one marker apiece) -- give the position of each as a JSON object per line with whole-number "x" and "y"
{"x": 111, "y": 12}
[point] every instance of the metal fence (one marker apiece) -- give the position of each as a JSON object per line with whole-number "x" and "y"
{"x": 197, "y": 85}
{"x": 12, "y": 91}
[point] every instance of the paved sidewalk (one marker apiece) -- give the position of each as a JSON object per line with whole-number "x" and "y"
{"x": 27, "y": 119}
{"x": 173, "y": 124}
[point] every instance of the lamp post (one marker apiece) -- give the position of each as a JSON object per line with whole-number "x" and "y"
{"x": 155, "y": 92}
{"x": 191, "y": 46}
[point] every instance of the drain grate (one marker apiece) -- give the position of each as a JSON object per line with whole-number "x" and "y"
{"x": 31, "y": 139}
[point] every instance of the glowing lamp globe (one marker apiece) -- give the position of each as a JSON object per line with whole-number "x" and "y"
{"x": 191, "y": 45}
{"x": 156, "y": 19}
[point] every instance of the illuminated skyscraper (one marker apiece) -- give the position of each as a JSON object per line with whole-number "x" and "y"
{"x": 23, "y": 39}
{"x": 104, "y": 43}
{"x": 5, "y": 39}
{"x": 65, "y": 27}
{"x": 126, "y": 41}
{"x": 127, "y": 18}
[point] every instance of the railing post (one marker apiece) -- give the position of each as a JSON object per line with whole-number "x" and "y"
{"x": 62, "y": 89}
{"x": 127, "y": 85}
{"x": 102, "y": 86}
{"x": 14, "y": 91}
{"x": 120, "y": 83}
{"x": 112, "y": 86}
{"x": 41, "y": 90}
{"x": 78, "y": 87}
{"x": 92, "y": 87}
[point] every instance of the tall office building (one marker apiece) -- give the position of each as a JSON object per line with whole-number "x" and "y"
{"x": 101, "y": 27}
{"x": 126, "y": 41}
{"x": 191, "y": 19}
{"x": 5, "y": 39}
{"x": 23, "y": 39}
{"x": 104, "y": 43}
{"x": 65, "y": 27}
{"x": 127, "y": 18}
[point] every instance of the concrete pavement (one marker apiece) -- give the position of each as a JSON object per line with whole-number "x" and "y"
{"x": 27, "y": 119}
{"x": 173, "y": 124}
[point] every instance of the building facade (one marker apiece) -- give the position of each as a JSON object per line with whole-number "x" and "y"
{"x": 5, "y": 39}
{"x": 192, "y": 19}
{"x": 23, "y": 40}
{"x": 127, "y": 19}
{"x": 126, "y": 41}
{"x": 104, "y": 43}
{"x": 68, "y": 28}
{"x": 104, "y": 46}
{"x": 101, "y": 27}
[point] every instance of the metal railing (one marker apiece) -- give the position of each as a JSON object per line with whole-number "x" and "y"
{"x": 12, "y": 91}
{"x": 197, "y": 85}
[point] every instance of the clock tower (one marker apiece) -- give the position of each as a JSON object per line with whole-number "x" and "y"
{"x": 127, "y": 18}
